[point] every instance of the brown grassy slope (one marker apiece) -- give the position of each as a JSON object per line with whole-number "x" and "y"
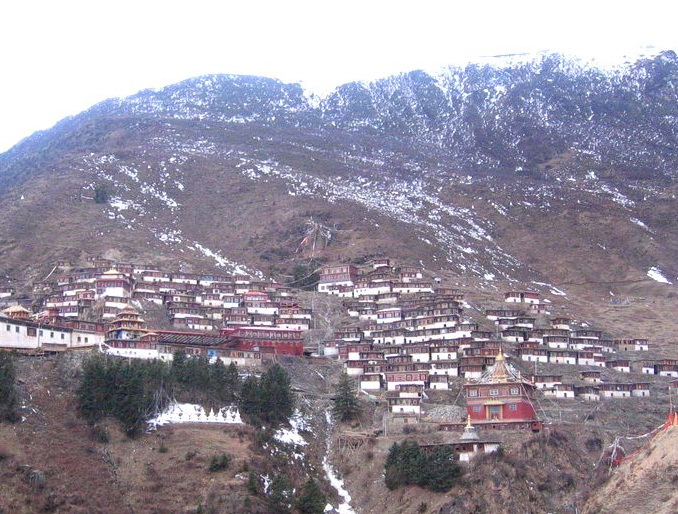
{"x": 564, "y": 232}
{"x": 53, "y": 443}
{"x": 51, "y": 461}
{"x": 123, "y": 475}
{"x": 645, "y": 483}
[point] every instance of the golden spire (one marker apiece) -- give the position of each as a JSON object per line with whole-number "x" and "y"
{"x": 499, "y": 371}
{"x": 470, "y": 432}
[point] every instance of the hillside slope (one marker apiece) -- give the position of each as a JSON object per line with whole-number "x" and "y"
{"x": 52, "y": 461}
{"x": 644, "y": 483}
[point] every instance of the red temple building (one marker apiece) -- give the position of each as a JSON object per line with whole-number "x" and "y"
{"x": 501, "y": 399}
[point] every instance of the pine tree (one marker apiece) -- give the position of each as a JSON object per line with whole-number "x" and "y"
{"x": 403, "y": 465}
{"x": 442, "y": 470}
{"x": 250, "y": 400}
{"x": 279, "y": 495}
{"x": 408, "y": 464}
{"x": 130, "y": 407}
{"x": 9, "y": 400}
{"x": 346, "y": 406}
{"x": 276, "y": 396}
{"x": 94, "y": 402}
{"x": 179, "y": 365}
{"x": 101, "y": 194}
{"x": 218, "y": 383}
{"x": 232, "y": 384}
{"x": 311, "y": 500}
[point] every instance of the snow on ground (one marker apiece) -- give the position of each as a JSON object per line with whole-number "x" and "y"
{"x": 191, "y": 413}
{"x": 640, "y": 224}
{"x": 335, "y": 481}
{"x": 267, "y": 483}
{"x": 656, "y": 274}
{"x": 222, "y": 261}
{"x": 168, "y": 236}
{"x": 553, "y": 289}
{"x": 338, "y": 484}
{"x": 292, "y": 436}
{"x": 617, "y": 197}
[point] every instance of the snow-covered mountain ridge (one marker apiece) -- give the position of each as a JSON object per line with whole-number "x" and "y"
{"x": 517, "y": 116}
{"x": 512, "y": 172}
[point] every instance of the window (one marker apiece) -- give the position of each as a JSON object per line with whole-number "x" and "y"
{"x": 473, "y": 392}
{"x": 494, "y": 392}
{"x": 513, "y": 407}
{"x": 515, "y": 391}
{"x": 41, "y": 333}
{"x": 477, "y": 408}
{"x": 9, "y": 328}
{"x": 85, "y": 339}
{"x": 31, "y": 331}
{"x": 16, "y": 329}
{"x": 62, "y": 336}
{"x": 79, "y": 338}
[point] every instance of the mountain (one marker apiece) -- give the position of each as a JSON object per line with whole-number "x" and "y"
{"x": 542, "y": 173}
{"x": 540, "y": 170}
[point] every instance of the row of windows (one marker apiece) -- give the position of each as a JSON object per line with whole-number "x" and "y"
{"x": 513, "y": 391}
{"x": 33, "y": 332}
{"x": 479, "y": 408}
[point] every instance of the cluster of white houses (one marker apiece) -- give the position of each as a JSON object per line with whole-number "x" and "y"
{"x": 413, "y": 335}
{"x": 425, "y": 330}
{"x": 193, "y": 301}
{"x": 128, "y": 336}
{"x": 234, "y": 318}
{"x": 590, "y": 387}
{"x": 22, "y": 331}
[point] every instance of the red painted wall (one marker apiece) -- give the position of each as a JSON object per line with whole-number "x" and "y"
{"x": 524, "y": 411}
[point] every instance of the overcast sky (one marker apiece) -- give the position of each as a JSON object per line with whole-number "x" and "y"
{"x": 60, "y": 57}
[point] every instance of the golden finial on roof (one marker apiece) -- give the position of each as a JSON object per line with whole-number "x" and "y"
{"x": 498, "y": 370}
{"x": 470, "y": 432}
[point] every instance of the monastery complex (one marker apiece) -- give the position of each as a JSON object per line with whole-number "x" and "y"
{"x": 410, "y": 334}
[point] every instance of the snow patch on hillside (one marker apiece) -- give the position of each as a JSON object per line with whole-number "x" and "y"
{"x": 293, "y": 435}
{"x": 338, "y": 484}
{"x": 640, "y": 224}
{"x": 552, "y": 289}
{"x": 222, "y": 261}
{"x": 168, "y": 236}
{"x": 617, "y": 197}
{"x": 657, "y": 275}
